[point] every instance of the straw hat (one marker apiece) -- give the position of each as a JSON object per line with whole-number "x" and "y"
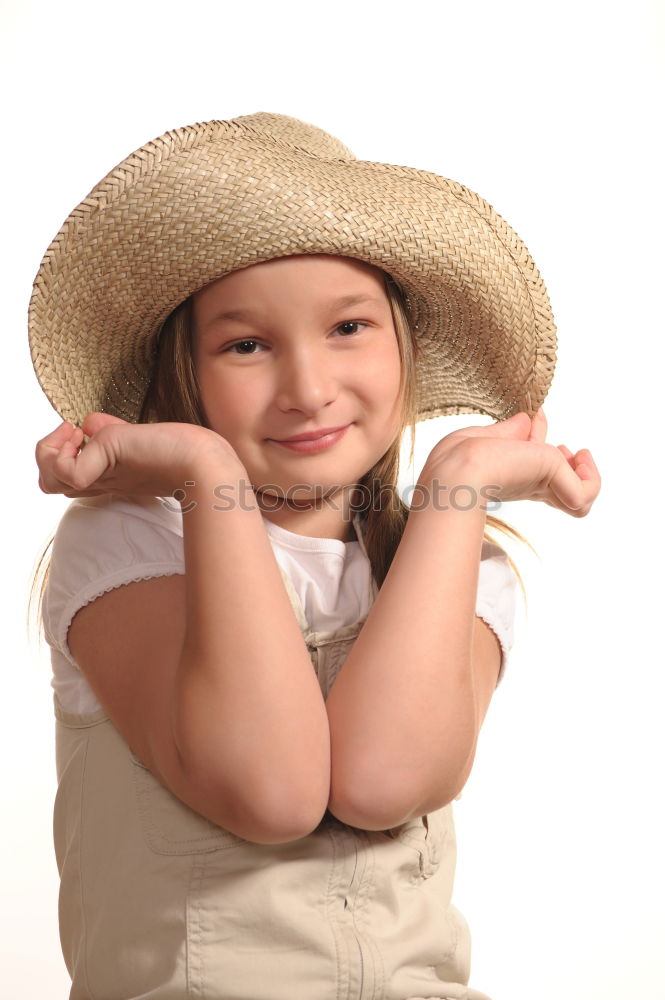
{"x": 210, "y": 198}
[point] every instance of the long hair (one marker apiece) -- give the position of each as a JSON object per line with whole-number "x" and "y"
{"x": 173, "y": 394}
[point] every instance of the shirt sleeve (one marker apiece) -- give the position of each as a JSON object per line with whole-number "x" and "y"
{"x": 496, "y": 598}
{"x": 102, "y": 543}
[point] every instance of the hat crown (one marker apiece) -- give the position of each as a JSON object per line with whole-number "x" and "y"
{"x": 205, "y": 199}
{"x": 297, "y": 133}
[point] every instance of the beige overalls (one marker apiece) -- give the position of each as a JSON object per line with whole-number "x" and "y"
{"x": 156, "y": 901}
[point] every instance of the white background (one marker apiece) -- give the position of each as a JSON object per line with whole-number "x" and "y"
{"x": 552, "y": 112}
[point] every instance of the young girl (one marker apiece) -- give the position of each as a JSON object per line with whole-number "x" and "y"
{"x": 269, "y": 672}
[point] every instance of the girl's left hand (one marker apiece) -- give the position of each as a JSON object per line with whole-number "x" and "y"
{"x": 515, "y": 457}
{"x": 581, "y": 462}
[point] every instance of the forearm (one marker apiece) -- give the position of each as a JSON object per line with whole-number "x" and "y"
{"x": 248, "y": 712}
{"x": 402, "y": 711}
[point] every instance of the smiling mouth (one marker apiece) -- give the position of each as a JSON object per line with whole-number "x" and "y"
{"x": 310, "y": 435}
{"x": 308, "y": 444}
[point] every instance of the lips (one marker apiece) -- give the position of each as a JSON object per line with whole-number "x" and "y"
{"x": 310, "y": 435}
{"x": 314, "y": 441}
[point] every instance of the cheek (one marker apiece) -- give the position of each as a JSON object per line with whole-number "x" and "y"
{"x": 387, "y": 371}
{"x": 219, "y": 399}
{"x": 230, "y": 409}
{"x": 218, "y": 387}
{"x": 391, "y": 385}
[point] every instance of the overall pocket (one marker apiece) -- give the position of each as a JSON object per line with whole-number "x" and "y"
{"x": 168, "y": 824}
{"x": 425, "y": 836}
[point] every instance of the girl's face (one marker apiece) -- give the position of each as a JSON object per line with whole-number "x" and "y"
{"x": 293, "y": 346}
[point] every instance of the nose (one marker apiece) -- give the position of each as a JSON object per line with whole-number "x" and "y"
{"x": 306, "y": 380}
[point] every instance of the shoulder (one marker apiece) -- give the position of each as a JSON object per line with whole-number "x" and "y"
{"x": 104, "y": 542}
{"x": 115, "y": 509}
{"x": 496, "y": 598}
{"x": 104, "y": 529}
{"x": 497, "y": 582}
{"x": 492, "y": 550}
{"x": 496, "y": 572}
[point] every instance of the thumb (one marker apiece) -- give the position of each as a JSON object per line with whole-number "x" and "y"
{"x": 93, "y": 422}
{"x": 517, "y": 427}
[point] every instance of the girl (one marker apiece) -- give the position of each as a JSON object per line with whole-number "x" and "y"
{"x": 269, "y": 672}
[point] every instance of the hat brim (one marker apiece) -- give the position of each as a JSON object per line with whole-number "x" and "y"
{"x": 204, "y": 201}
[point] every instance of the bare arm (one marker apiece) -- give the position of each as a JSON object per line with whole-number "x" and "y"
{"x": 206, "y": 677}
{"x": 248, "y": 714}
{"x": 406, "y": 707}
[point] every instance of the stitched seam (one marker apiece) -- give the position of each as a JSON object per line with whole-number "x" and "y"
{"x": 330, "y": 899}
{"x": 84, "y": 928}
{"x": 365, "y": 889}
{"x": 204, "y": 843}
{"x": 194, "y": 959}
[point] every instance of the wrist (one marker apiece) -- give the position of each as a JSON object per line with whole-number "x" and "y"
{"x": 453, "y": 489}
{"x": 459, "y": 482}
{"x": 214, "y": 478}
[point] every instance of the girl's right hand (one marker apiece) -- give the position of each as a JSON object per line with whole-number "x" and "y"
{"x": 121, "y": 457}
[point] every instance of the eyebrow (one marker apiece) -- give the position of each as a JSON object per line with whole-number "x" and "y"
{"x": 341, "y": 303}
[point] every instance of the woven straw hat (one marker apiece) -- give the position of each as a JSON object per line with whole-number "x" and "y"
{"x": 210, "y": 198}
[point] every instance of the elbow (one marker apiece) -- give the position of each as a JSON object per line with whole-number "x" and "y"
{"x": 290, "y": 824}
{"x": 387, "y": 814}
{"x": 363, "y": 818}
{"x": 375, "y": 805}
{"x": 386, "y": 802}
{"x": 259, "y": 811}
{"x": 283, "y": 832}
{"x": 446, "y": 791}
{"x": 279, "y": 815}
{"x": 264, "y": 801}
{"x": 390, "y": 812}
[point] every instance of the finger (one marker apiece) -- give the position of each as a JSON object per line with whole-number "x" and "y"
{"x": 539, "y": 427}
{"x": 586, "y": 467}
{"x": 585, "y": 455}
{"x": 84, "y": 493}
{"x": 517, "y": 427}
{"x": 49, "y": 448}
{"x": 56, "y": 438}
{"x": 567, "y": 454}
{"x": 576, "y": 491}
{"x": 77, "y": 470}
{"x": 94, "y": 421}
{"x": 72, "y": 446}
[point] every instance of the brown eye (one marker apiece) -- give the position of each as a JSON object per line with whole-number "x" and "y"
{"x": 349, "y": 323}
{"x": 241, "y": 344}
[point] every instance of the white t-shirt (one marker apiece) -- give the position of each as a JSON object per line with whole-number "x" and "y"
{"x": 104, "y": 542}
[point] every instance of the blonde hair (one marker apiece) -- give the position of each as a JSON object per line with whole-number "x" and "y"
{"x": 173, "y": 395}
